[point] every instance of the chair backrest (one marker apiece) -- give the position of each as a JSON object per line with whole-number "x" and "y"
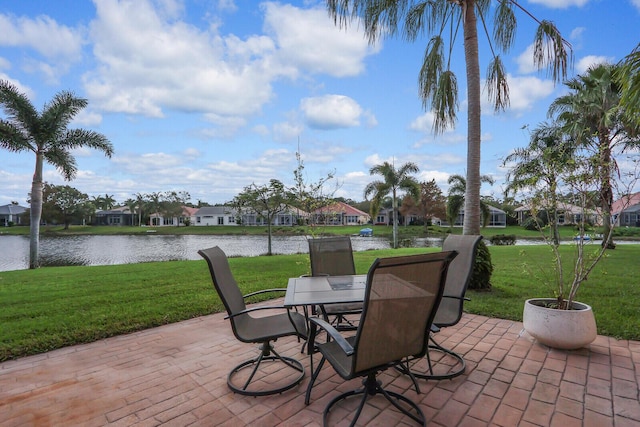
{"x": 225, "y": 284}
{"x": 458, "y": 278}
{"x": 331, "y": 256}
{"x": 401, "y": 298}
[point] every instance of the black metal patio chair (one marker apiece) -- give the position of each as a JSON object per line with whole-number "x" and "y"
{"x": 401, "y": 297}
{"x": 249, "y": 329}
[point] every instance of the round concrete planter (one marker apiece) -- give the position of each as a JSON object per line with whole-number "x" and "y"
{"x": 563, "y": 329}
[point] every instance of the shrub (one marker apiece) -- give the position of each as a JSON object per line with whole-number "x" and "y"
{"x": 503, "y": 239}
{"x": 482, "y": 270}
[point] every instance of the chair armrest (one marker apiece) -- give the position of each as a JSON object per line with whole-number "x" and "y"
{"x": 264, "y": 291}
{"x": 250, "y": 309}
{"x": 456, "y": 297}
{"x": 333, "y": 333}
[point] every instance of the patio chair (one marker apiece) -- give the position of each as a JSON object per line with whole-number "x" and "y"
{"x": 450, "y": 364}
{"x": 401, "y": 297}
{"x": 262, "y": 330}
{"x": 333, "y": 256}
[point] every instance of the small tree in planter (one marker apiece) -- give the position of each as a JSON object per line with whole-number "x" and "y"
{"x": 549, "y": 164}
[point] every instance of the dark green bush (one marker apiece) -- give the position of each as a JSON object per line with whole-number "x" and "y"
{"x": 482, "y": 270}
{"x": 503, "y": 239}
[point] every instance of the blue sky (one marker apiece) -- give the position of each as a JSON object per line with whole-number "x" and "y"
{"x": 208, "y": 96}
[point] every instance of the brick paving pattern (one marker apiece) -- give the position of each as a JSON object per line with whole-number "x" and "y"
{"x": 175, "y": 375}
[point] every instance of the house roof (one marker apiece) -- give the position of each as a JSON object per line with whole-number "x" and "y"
{"x": 12, "y": 209}
{"x": 214, "y": 210}
{"x": 567, "y": 207}
{"x": 343, "y": 208}
{"x": 625, "y": 202}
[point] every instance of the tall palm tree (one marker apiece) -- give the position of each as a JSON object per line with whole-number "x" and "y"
{"x": 438, "y": 88}
{"x": 628, "y": 76}
{"x": 456, "y": 198}
{"x": 393, "y": 180}
{"x": 45, "y": 134}
{"x": 592, "y": 115}
{"x": 538, "y": 168}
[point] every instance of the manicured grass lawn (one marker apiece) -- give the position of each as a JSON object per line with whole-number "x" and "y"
{"x": 53, "y": 307}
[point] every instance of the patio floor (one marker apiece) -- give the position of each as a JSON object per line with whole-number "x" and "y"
{"x": 176, "y": 375}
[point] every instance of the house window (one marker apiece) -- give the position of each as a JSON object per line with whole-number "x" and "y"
{"x": 352, "y": 219}
{"x": 231, "y": 220}
{"x": 198, "y": 219}
{"x": 220, "y": 220}
{"x": 114, "y": 220}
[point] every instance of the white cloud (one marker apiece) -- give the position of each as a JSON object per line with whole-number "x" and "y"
{"x": 309, "y": 39}
{"x": 525, "y": 61}
{"x": 590, "y": 60}
{"x": 524, "y": 92}
{"x": 560, "y": 4}
{"x": 87, "y": 118}
{"x": 331, "y": 112}
{"x": 287, "y": 131}
{"x": 636, "y": 4}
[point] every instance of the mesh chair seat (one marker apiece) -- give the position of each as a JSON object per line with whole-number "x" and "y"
{"x": 401, "y": 296}
{"x": 261, "y": 330}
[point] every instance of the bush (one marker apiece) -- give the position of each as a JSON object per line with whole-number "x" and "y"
{"x": 503, "y": 239}
{"x": 482, "y": 270}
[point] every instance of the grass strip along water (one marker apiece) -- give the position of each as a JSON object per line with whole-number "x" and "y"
{"x": 49, "y": 308}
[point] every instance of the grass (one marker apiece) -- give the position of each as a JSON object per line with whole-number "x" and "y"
{"x": 53, "y": 307}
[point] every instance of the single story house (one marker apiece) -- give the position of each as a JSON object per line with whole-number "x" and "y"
{"x": 215, "y": 215}
{"x": 497, "y": 218}
{"x": 11, "y": 214}
{"x": 115, "y": 216}
{"x": 158, "y": 220}
{"x": 626, "y": 211}
{"x": 340, "y": 213}
{"x": 567, "y": 214}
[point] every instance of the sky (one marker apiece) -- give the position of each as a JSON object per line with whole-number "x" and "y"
{"x": 209, "y": 96}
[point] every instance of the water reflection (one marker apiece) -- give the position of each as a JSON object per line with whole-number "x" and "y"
{"x": 105, "y": 250}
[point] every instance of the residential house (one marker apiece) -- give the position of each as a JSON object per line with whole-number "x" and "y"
{"x": 340, "y": 213}
{"x": 116, "y": 216}
{"x": 11, "y": 214}
{"x": 567, "y": 214}
{"x": 215, "y": 215}
{"x": 626, "y": 211}
{"x": 497, "y": 218}
{"x": 186, "y": 218}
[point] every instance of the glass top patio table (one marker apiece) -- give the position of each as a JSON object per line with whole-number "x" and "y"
{"x": 303, "y": 291}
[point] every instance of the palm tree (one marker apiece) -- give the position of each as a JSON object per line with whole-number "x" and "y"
{"x": 438, "y": 88}
{"x": 45, "y": 134}
{"x": 457, "y": 201}
{"x": 628, "y": 76}
{"x": 394, "y": 180}
{"x": 538, "y": 167}
{"x": 592, "y": 115}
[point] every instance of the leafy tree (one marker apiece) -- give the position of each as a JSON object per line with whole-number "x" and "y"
{"x": 592, "y": 115}
{"x": 310, "y": 197}
{"x": 393, "y": 180}
{"x": 265, "y": 201}
{"x": 537, "y": 169}
{"x": 46, "y": 134}
{"x": 172, "y": 204}
{"x": 438, "y": 85}
{"x": 66, "y": 204}
{"x": 457, "y": 199}
{"x": 432, "y": 201}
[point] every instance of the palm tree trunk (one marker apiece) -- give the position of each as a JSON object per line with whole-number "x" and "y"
{"x": 395, "y": 221}
{"x": 472, "y": 192}
{"x": 606, "y": 192}
{"x": 36, "y": 212}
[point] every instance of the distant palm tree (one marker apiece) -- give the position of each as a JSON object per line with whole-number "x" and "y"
{"x": 456, "y": 199}
{"x": 45, "y": 134}
{"x": 393, "y": 180}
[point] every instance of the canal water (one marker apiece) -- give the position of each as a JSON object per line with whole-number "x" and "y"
{"x": 106, "y": 250}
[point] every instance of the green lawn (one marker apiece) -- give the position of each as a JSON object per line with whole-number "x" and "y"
{"x": 53, "y": 307}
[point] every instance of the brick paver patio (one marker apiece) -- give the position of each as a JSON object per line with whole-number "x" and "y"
{"x": 175, "y": 375}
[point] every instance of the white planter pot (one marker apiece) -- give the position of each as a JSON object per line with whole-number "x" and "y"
{"x": 563, "y": 329}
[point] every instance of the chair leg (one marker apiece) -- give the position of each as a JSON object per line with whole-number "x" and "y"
{"x": 371, "y": 387}
{"x": 314, "y": 376}
{"x": 456, "y": 369}
{"x": 267, "y": 354}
